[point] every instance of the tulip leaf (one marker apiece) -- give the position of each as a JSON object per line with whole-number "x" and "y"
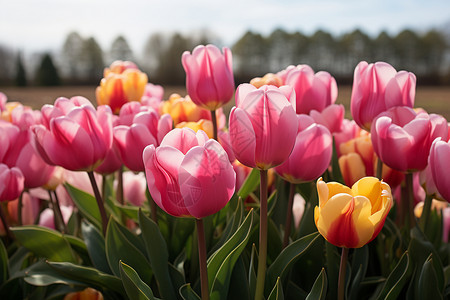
{"x": 187, "y": 293}
{"x": 239, "y": 287}
{"x": 319, "y": 288}
{"x": 360, "y": 262}
{"x": 3, "y": 263}
{"x": 288, "y": 257}
{"x": 158, "y": 255}
{"x": 398, "y": 278}
{"x": 251, "y": 271}
{"x": 250, "y": 184}
{"x": 45, "y": 242}
{"x": 336, "y": 170}
{"x": 95, "y": 244}
{"x": 86, "y": 204}
{"x": 428, "y": 283}
{"x": 88, "y": 275}
{"x": 277, "y": 291}
{"x": 133, "y": 284}
{"x": 221, "y": 263}
{"x": 41, "y": 274}
{"x": 119, "y": 248}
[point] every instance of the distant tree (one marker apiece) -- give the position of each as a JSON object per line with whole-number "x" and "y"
{"x": 154, "y": 51}
{"x": 73, "y": 70}
{"x": 407, "y": 44}
{"x": 47, "y": 74}
{"x": 250, "y": 57}
{"x": 354, "y": 47}
{"x": 384, "y": 49}
{"x": 21, "y": 78}
{"x": 433, "y": 52}
{"x": 301, "y": 44}
{"x": 322, "y": 51}
{"x": 93, "y": 59}
{"x": 120, "y": 50}
{"x": 281, "y": 47}
{"x": 6, "y": 65}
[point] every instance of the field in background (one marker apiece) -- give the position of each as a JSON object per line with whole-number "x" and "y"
{"x": 432, "y": 99}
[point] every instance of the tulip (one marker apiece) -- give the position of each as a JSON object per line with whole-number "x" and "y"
{"x": 78, "y": 140}
{"x": 353, "y": 217}
{"x": 263, "y": 125}
{"x": 47, "y": 217}
{"x": 209, "y": 76}
{"x": 439, "y": 161}
{"x": 349, "y": 130}
{"x": 313, "y": 91}
{"x": 112, "y": 161}
{"x": 268, "y": 79}
{"x": 378, "y": 87}
{"x": 205, "y": 125}
{"x": 331, "y": 117}
{"x": 410, "y": 134}
{"x": 134, "y": 188}
{"x": 311, "y": 155}
{"x": 86, "y": 294}
{"x": 117, "y": 89}
{"x": 363, "y": 147}
{"x": 3, "y": 100}
{"x": 153, "y": 91}
{"x": 147, "y": 129}
{"x": 119, "y": 66}
{"x": 11, "y": 183}
{"x": 128, "y": 111}
{"x": 298, "y": 209}
{"x": 189, "y": 175}
{"x": 352, "y": 168}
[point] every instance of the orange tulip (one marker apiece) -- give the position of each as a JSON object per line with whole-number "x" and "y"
{"x": 352, "y": 217}
{"x": 268, "y": 79}
{"x": 86, "y": 294}
{"x": 205, "y": 125}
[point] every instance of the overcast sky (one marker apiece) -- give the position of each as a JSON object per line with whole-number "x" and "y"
{"x": 32, "y": 25}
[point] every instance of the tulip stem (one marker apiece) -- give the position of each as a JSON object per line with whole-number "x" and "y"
{"x": 214, "y": 122}
{"x": 410, "y": 199}
{"x": 426, "y": 212}
{"x": 261, "y": 276}
{"x": 19, "y": 209}
{"x": 119, "y": 192}
{"x": 342, "y": 270}
{"x": 9, "y": 235}
{"x": 153, "y": 207}
{"x": 288, "y": 224}
{"x": 202, "y": 259}
{"x": 379, "y": 168}
{"x": 57, "y": 215}
{"x": 98, "y": 198}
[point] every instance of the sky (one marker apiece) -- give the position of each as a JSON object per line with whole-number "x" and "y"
{"x": 30, "y": 25}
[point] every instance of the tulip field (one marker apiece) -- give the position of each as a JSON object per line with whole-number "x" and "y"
{"x": 288, "y": 186}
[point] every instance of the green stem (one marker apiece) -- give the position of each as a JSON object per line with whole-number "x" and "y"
{"x": 288, "y": 224}
{"x": 202, "y": 259}
{"x": 410, "y": 199}
{"x": 342, "y": 270}
{"x": 58, "y": 208}
{"x": 57, "y": 215}
{"x": 214, "y": 121}
{"x": 379, "y": 169}
{"x": 261, "y": 276}
{"x": 98, "y": 198}
{"x": 9, "y": 235}
{"x": 119, "y": 192}
{"x": 426, "y": 212}
{"x": 153, "y": 206}
{"x": 19, "y": 209}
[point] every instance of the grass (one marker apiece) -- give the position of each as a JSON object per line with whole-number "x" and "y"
{"x": 432, "y": 99}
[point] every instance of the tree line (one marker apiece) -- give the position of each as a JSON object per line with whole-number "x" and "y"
{"x": 80, "y": 61}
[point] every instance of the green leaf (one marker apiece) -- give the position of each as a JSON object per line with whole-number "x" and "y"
{"x": 332, "y": 266}
{"x": 277, "y": 291}
{"x": 187, "y": 293}
{"x": 87, "y": 275}
{"x": 95, "y": 244}
{"x": 397, "y": 279}
{"x": 360, "y": 260}
{"x": 134, "y": 286}
{"x": 86, "y": 204}
{"x": 251, "y": 271}
{"x": 221, "y": 263}
{"x": 158, "y": 256}
{"x": 319, "y": 288}
{"x": 336, "y": 170}
{"x": 428, "y": 283}
{"x": 79, "y": 247}
{"x": 119, "y": 248}
{"x": 250, "y": 184}
{"x": 45, "y": 242}
{"x": 239, "y": 287}
{"x": 3, "y": 263}
{"x": 288, "y": 257}
{"x": 41, "y": 274}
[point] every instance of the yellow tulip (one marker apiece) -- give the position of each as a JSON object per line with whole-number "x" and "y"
{"x": 269, "y": 79}
{"x": 183, "y": 109}
{"x": 352, "y": 217}
{"x": 352, "y": 168}
{"x": 205, "y": 125}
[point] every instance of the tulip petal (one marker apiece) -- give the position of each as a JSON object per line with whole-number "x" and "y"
{"x": 242, "y": 137}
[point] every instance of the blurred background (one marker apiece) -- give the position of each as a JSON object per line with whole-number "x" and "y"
{"x": 53, "y": 48}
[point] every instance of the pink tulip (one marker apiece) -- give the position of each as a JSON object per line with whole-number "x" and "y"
{"x": 47, "y": 217}
{"x": 331, "y": 117}
{"x": 11, "y": 183}
{"x": 263, "y": 125}
{"x": 147, "y": 129}
{"x": 378, "y": 87}
{"x": 313, "y": 91}
{"x": 153, "y": 91}
{"x": 439, "y": 161}
{"x": 189, "y": 175}
{"x": 78, "y": 137}
{"x": 3, "y": 100}
{"x": 298, "y": 208}
{"x": 17, "y": 151}
{"x": 30, "y": 209}
{"x": 311, "y": 155}
{"x": 409, "y": 134}
{"x": 112, "y": 161}
{"x": 209, "y": 76}
{"x": 446, "y": 224}
{"x": 349, "y": 130}
{"x": 134, "y": 188}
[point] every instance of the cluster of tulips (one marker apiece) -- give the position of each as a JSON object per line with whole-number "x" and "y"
{"x": 182, "y": 157}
